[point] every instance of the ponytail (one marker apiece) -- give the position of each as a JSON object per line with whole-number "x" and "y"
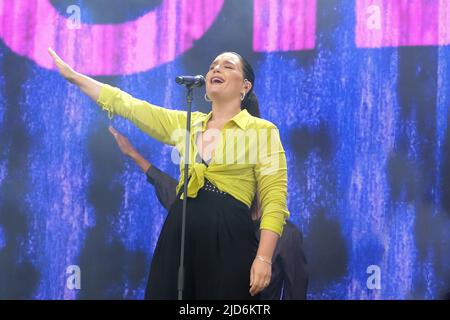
{"x": 250, "y": 103}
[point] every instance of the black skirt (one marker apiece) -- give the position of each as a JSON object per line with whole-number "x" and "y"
{"x": 220, "y": 248}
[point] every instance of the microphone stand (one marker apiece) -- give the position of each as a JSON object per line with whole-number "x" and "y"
{"x": 189, "y": 99}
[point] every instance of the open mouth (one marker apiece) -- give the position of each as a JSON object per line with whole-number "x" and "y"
{"x": 217, "y": 80}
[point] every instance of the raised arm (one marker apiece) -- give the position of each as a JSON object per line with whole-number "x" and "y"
{"x": 164, "y": 184}
{"x": 163, "y": 124}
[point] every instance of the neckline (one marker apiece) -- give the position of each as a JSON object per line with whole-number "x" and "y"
{"x": 199, "y": 159}
{"x": 200, "y": 156}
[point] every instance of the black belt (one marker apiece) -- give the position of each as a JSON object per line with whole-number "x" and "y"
{"x": 208, "y": 186}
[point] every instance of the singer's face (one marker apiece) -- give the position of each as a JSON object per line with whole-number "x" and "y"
{"x": 225, "y": 78}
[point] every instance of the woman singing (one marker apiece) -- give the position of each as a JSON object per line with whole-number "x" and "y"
{"x": 234, "y": 156}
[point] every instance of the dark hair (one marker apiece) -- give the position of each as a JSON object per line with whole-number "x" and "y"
{"x": 250, "y": 101}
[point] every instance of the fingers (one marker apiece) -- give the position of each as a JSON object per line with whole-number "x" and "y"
{"x": 54, "y": 55}
{"x": 259, "y": 278}
{"x": 113, "y": 131}
{"x": 259, "y": 286}
{"x": 116, "y": 133}
{"x": 63, "y": 68}
{"x": 125, "y": 146}
{"x": 253, "y": 290}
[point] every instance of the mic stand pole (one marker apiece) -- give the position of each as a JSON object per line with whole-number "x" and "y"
{"x": 189, "y": 99}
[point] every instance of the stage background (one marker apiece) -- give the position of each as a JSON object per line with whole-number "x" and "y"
{"x": 360, "y": 91}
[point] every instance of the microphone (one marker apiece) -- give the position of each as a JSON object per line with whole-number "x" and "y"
{"x": 191, "y": 81}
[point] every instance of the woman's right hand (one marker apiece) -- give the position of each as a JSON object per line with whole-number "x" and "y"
{"x": 64, "y": 69}
{"x": 88, "y": 85}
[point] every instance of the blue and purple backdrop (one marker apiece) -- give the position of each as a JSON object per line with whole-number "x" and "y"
{"x": 360, "y": 90}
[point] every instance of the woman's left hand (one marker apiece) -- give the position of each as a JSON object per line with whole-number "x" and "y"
{"x": 260, "y": 275}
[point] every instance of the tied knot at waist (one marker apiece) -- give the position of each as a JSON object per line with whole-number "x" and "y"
{"x": 197, "y": 179}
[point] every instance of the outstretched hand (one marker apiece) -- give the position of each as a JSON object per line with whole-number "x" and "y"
{"x": 127, "y": 149}
{"x": 124, "y": 144}
{"x": 64, "y": 69}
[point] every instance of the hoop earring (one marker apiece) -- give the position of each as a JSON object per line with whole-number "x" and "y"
{"x": 242, "y": 96}
{"x": 207, "y": 98}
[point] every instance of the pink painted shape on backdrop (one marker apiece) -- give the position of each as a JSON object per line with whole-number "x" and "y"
{"x": 284, "y": 25}
{"x": 29, "y": 27}
{"x": 404, "y": 23}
